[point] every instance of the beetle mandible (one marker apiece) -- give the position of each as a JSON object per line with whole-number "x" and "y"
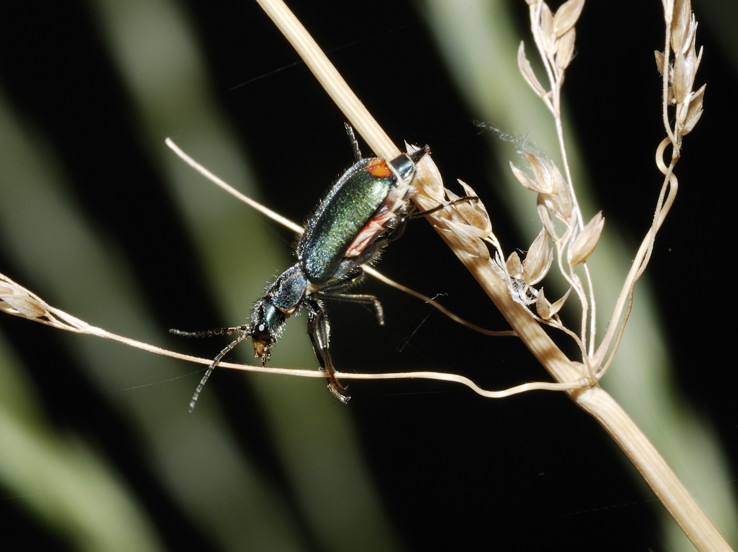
{"x": 364, "y": 210}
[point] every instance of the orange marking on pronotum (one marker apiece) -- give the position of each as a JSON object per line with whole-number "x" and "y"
{"x": 378, "y": 168}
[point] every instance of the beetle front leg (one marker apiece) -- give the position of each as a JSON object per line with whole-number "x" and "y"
{"x": 319, "y": 331}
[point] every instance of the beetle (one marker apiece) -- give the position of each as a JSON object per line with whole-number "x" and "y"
{"x": 364, "y": 210}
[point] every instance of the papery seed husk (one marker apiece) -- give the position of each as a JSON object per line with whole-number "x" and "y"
{"x": 527, "y": 71}
{"x": 543, "y": 307}
{"x": 689, "y": 43}
{"x": 585, "y": 243}
{"x": 566, "y": 16}
{"x": 659, "y": 56}
{"x": 695, "y": 110}
{"x": 565, "y": 49}
{"x": 527, "y": 182}
{"x": 561, "y": 196}
{"x": 545, "y": 217}
{"x": 698, "y": 60}
{"x": 680, "y": 23}
{"x": 689, "y": 72}
{"x": 461, "y": 240}
{"x": 691, "y": 122}
{"x": 556, "y": 305}
{"x": 22, "y": 306}
{"x": 513, "y": 265}
{"x": 541, "y": 172}
{"x": 474, "y": 212}
{"x": 473, "y": 222}
{"x": 546, "y": 25}
{"x": 681, "y": 114}
{"x": 680, "y": 86}
{"x": 482, "y": 250}
{"x": 538, "y": 260}
{"x": 463, "y": 229}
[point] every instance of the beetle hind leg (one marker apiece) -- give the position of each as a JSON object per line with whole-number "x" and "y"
{"x": 333, "y": 291}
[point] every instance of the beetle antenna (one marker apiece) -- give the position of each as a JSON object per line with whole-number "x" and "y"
{"x": 353, "y": 140}
{"x": 210, "y": 333}
{"x": 212, "y": 366}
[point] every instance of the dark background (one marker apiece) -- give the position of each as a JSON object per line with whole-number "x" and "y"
{"x": 444, "y": 468}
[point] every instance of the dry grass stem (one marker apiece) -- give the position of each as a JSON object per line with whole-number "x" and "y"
{"x": 273, "y": 215}
{"x": 18, "y": 301}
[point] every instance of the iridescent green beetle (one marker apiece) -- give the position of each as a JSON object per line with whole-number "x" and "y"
{"x": 365, "y": 209}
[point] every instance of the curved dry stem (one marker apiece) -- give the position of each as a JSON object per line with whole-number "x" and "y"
{"x": 273, "y": 215}
{"x": 456, "y": 378}
{"x": 19, "y": 301}
{"x": 608, "y": 347}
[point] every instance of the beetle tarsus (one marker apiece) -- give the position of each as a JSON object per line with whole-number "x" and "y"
{"x": 339, "y": 391}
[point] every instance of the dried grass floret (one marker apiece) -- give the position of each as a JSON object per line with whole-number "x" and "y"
{"x": 586, "y": 241}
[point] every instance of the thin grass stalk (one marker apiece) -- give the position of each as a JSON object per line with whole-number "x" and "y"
{"x": 16, "y": 300}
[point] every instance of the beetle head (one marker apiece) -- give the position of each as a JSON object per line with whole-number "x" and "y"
{"x": 266, "y": 325}
{"x": 281, "y": 300}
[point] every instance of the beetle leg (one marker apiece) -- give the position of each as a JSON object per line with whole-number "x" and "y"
{"x": 418, "y": 214}
{"x": 332, "y": 291}
{"x": 319, "y": 330}
{"x": 363, "y": 298}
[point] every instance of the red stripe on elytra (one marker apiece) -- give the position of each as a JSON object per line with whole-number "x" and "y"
{"x": 366, "y": 235}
